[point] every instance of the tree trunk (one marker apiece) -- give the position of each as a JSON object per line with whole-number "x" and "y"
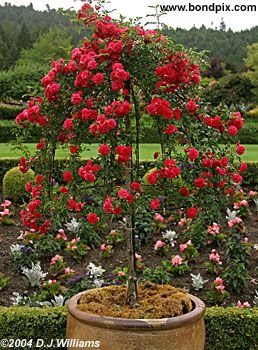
{"x": 131, "y": 297}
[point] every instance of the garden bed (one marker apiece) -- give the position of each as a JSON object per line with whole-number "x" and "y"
{"x": 117, "y": 261}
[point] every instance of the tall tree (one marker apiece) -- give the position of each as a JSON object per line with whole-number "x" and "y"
{"x": 252, "y": 66}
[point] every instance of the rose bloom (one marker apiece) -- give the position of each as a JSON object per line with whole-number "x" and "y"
{"x": 240, "y": 149}
{"x": 154, "y": 204}
{"x": 135, "y": 186}
{"x": 191, "y": 212}
{"x": 193, "y": 154}
{"x": 73, "y": 149}
{"x": 104, "y": 150}
{"x": 92, "y": 218}
{"x": 67, "y": 176}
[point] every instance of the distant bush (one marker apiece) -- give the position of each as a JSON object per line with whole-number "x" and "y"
{"x": 20, "y": 82}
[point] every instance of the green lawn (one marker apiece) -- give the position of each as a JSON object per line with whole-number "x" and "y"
{"x": 146, "y": 151}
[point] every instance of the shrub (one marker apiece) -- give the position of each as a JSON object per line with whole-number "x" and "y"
{"x": 8, "y": 111}
{"x": 226, "y": 329}
{"x": 14, "y": 183}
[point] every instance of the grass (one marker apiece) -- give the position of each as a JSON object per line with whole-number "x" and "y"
{"x": 146, "y": 151}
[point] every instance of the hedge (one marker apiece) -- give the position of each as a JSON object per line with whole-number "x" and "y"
{"x": 8, "y": 111}
{"x": 226, "y": 328}
{"x": 248, "y": 135}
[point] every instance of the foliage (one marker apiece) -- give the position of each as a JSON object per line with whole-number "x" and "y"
{"x": 252, "y": 66}
{"x": 49, "y": 46}
{"x": 14, "y": 183}
{"x": 231, "y": 90}
{"x": 156, "y": 275}
{"x": 19, "y": 82}
{"x": 34, "y": 275}
{"x": 3, "y": 281}
{"x": 226, "y": 328}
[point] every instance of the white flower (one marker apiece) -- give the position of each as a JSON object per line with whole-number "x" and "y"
{"x": 95, "y": 271}
{"x": 256, "y": 203}
{"x": 197, "y": 281}
{"x": 231, "y": 215}
{"x": 98, "y": 283}
{"x": 16, "y": 248}
{"x": 255, "y": 301}
{"x": 35, "y": 274}
{"x": 170, "y": 236}
{"x": 73, "y": 226}
{"x": 17, "y": 298}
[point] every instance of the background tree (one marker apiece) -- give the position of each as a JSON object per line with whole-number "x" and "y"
{"x": 252, "y": 65}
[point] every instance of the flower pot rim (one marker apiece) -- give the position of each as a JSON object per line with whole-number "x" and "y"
{"x": 136, "y": 324}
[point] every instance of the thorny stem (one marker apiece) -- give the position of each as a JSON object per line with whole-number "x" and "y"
{"x": 138, "y": 128}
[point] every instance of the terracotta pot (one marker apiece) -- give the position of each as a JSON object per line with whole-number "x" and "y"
{"x": 186, "y": 332}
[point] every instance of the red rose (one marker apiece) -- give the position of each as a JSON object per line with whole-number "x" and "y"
{"x": 73, "y": 149}
{"x": 240, "y": 149}
{"x": 93, "y": 218}
{"x": 77, "y": 98}
{"x": 39, "y": 179}
{"x": 154, "y": 204}
{"x": 98, "y": 78}
{"x": 67, "y": 176}
{"x": 237, "y": 178}
{"x": 184, "y": 191}
{"x": 232, "y": 130}
{"x": 191, "y": 212}
{"x": 104, "y": 150}
{"x": 135, "y": 186}
{"x": 200, "y": 182}
{"x": 193, "y": 154}
{"x": 243, "y": 168}
{"x": 191, "y": 106}
{"x": 68, "y": 124}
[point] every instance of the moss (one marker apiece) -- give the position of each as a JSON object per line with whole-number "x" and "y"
{"x": 155, "y": 301}
{"x": 14, "y": 183}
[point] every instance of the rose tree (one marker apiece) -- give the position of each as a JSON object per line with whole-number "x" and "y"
{"x": 103, "y": 94}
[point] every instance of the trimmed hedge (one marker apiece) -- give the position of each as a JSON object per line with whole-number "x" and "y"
{"x": 226, "y": 328}
{"x": 248, "y": 135}
{"x": 9, "y": 111}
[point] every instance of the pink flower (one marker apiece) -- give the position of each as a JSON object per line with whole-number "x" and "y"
{"x": 138, "y": 257}
{"x": 6, "y": 203}
{"x": 252, "y": 193}
{"x": 177, "y": 260}
{"x": 120, "y": 274}
{"x": 214, "y": 256}
{"x": 158, "y": 217}
{"x": 55, "y": 259}
{"x": 184, "y": 246}
{"x": 103, "y": 247}
{"x": 219, "y": 284}
{"x": 214, "y": 229}
{"x": 159, "y": 244}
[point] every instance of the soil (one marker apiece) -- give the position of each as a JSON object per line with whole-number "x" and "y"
{"x": 154, "y": 301}
{"x": 17, "y": 283}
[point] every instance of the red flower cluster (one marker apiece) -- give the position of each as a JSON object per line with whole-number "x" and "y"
{"x": 159, "y": 107}
{"x": 124, "y": 194}
{"x": 178, "y": 73}
{"x": 118, "y": 109}
{"x": 118, "y": 76}
{"x": 235, "y": 124}
{"x": 73, "y": 205}
{"x": 93, "y": 218}
{"x": 124, "y": 153}
{"x": 31, "y": 115}
{"x": 104, "y": 150}
{"x": 110, "y": 208}
{"x": 169, "y": 171}
{"x": 89, "y": 171}
{"x": 102, "y": 125}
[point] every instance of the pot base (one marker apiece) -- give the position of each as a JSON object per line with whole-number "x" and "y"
{"x": 186, "y": 332}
